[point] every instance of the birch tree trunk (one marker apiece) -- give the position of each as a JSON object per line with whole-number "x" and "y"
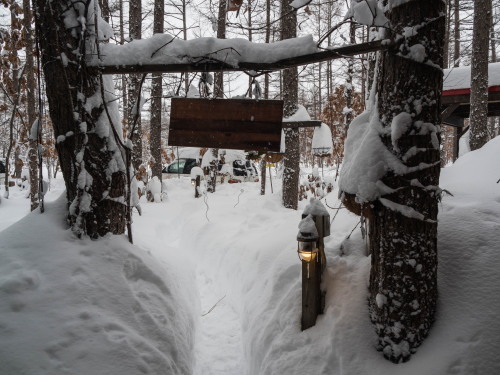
{"x": 479, "y": 75}
{"x": 290, "y": 97}
{"x": 403, "y": 223}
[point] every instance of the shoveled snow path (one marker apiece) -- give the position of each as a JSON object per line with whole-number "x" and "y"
{"x": 219, "y": 348}
{"x": 218, "y": 345}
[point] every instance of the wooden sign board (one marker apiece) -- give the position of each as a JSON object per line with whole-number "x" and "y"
{"x": 240, "y": 124}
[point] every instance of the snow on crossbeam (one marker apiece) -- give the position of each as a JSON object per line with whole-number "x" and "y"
{"x": 164, "y": 54}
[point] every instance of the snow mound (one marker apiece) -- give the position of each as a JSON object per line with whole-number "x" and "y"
{"x": 70, "y": 306}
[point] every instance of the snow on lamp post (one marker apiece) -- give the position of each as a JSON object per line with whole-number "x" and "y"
{"x": 314, "y": 226}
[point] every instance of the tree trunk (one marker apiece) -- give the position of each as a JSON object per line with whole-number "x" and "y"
{"x": 184, "y": 32}
{"x": 479, "y": 75}
{"x": 135, "y": 32}
{"x": 30, "y": 101}
{"x": 124, "y": 85}
{"x": 348, "y": 87}
{"x": 403, "y": 279}
{"x": 250, "y": 38}
{"x": 268, "y": 38}
{"x": 447, "y": 35}
{"x": 104, "y": 5}
{"x": 218, "y": 93}
{"x": 156, "y": 100}
{"x": 221, "y": 34}
{"x": 456, "y": 63}
{"x": 290, "y": 98}
{"x": 86, "y": 146}
{"x": 493, "y": 40}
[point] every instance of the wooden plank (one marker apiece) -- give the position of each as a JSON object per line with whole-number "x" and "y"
{"x": 208, "y": 65}
{"x": 227, "y": 109}
{"x": 237, "y": 141}
{"x": 240, "y": 124}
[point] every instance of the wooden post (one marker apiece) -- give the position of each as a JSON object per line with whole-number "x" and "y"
{"x": 196, "y": 187}
{"x": 311, "y": 292}
{"x": 313, "y": 298}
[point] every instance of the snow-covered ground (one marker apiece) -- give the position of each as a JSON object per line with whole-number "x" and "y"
{"x": 212, "y": 286}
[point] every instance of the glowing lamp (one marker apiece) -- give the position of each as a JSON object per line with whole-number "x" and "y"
{"x": 307, "y": 246}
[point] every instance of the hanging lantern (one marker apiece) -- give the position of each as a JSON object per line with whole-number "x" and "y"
{"x": 322, "y": 142}
{"x": 234, "y": 5}
{"x": 322, "y": 152}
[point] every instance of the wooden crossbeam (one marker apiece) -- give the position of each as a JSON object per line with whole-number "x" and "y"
{"x": 207, "y": 65}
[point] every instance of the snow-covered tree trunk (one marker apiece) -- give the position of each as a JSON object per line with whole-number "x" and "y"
{"x": 91, "y": 160}
{"x": 156, "y": 100}
{"x": 479, "y": 75}
{"x": 403, "y": 221}
{"x": 290, "y": 97}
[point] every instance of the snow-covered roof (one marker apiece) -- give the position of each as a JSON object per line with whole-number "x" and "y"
{"x": 459, "y": 78}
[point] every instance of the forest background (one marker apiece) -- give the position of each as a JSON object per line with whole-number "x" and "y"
{"x": 333, "y": 91}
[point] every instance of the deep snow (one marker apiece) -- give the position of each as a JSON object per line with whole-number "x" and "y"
{"x": 218, "y": 291}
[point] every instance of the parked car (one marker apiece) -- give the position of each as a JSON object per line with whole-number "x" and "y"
{"x": 242, "y": 170}
{"x": 2, "y": 167}
{"x": 180, "y": 166}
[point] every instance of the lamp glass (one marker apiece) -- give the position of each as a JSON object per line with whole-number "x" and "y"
{"x": 307, "y": 250}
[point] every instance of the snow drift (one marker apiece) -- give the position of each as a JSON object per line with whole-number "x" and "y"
{"x": 71, "y": 306}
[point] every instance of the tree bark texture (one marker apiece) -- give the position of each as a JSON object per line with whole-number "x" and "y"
{"x": 221, "y": 34}
{"x": 30, "y": 102}
{"x": 290, "y": 99}
{"x": 348, "y": 87}
{"x": 403, "y": 279}
{"x": 91, "y": 163}
{"x": 479, "y": 75}
{"x": 135, "y": 32}
{"x": 156, "y": 100}
{"x": 218, "y": 93}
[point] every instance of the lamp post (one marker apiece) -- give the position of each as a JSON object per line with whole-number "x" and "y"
{"x": 315, "y": 225}
{"x": 196, "y": 174}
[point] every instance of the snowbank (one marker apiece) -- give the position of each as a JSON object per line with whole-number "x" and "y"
{"x": 71, "y": 306}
